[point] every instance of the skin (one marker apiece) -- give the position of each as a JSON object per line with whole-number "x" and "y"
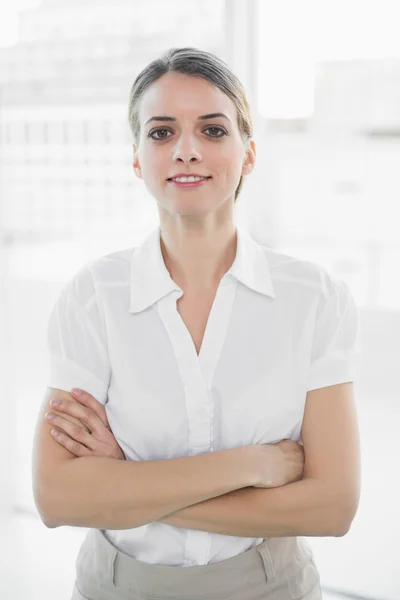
{"x": 198, "y": 238}
{"x": 93, "y": 436}
{"x": 198, "y": 243}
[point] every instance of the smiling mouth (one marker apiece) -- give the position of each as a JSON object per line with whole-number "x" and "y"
{"x": 196, "y": 184}
{"x": 172, "y": 179}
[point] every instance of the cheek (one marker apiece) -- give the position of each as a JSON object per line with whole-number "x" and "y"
{"x": 153, "y": 169}
{"x": 230, "y": 160}
{"x": 232, "y": 169}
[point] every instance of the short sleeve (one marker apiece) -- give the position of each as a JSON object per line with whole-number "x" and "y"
{"x": 77, "y": 356}
{"x": 337, "y": 341}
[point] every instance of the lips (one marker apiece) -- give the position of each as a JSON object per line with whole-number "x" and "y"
{"x": 203, "y": 176}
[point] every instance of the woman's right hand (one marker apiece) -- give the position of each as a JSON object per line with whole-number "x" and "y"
{"x": 279, "y": 464}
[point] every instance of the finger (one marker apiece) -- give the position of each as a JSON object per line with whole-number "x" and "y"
{"x": 75, "y": 447}
{"x": 65, "y": 415}
{"x": 83, "y": 414}
{"x": 91, "y": 402}
{"x": 75, "y": 432}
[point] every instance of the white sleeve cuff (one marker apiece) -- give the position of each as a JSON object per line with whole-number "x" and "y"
{"x": 65, "y": 374}
{"x": 332, "y": 373}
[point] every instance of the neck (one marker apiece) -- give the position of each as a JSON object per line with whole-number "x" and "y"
{"x": 198, "y": 259}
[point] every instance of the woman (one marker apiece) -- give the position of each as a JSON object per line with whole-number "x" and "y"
{"x": 200, "y": 347}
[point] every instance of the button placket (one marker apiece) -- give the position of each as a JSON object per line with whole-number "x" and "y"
{"x": 197, "y": 373}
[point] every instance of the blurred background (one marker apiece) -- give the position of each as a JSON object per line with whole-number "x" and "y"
{"x": 323, "y": 80}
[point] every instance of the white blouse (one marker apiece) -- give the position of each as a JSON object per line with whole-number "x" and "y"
{"x": 279, "y": 327}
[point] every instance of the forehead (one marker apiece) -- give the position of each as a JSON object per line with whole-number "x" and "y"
{"x": 182, "y": 96}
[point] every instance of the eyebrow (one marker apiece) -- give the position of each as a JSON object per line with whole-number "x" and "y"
{"x": 201, "y": 118}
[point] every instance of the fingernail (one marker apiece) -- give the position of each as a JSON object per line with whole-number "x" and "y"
{"x": 55, "y": 401}
{"x": 77, "y": 391}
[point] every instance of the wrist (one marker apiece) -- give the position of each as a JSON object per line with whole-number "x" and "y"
{"x": 247, "y": 463}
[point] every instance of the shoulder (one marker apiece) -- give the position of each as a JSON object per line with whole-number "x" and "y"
{"x": 301, "y": 277}
{"x": 297, "y": 271}
{"x": 108, "y": 270}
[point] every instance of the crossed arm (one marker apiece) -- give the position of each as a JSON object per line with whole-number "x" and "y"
{"x": 302, "y": 508}
{"x": 323, "y": 503}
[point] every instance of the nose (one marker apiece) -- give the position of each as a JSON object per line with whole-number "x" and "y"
{"x": 187, "y": 161}
{"x": 186, "y": 152}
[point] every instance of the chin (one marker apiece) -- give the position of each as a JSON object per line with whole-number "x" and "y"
{"x": 189, "y": 206}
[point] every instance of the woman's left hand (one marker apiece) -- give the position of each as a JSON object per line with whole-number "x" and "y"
{"x": 94, "y": 438}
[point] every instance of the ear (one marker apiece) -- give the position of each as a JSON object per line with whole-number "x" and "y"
{"x": 249, "y": 162}
{"x": 136, "y": 163}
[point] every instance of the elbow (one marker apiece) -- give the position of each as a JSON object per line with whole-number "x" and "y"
{"x": 347, "y": 515}
{"x": 342, "y": 502}
{"x": 345, "y": 527}
{"x": 47, "y": 519}
{"x": 49, "y": 524}
{"x": 45, "y": 506}
{"x": 343, "y": 530}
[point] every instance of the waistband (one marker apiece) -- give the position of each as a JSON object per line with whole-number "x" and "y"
{"x": 251, "y": 568}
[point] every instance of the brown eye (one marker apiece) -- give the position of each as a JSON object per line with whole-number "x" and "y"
{"x": 150, "y": 135}
{"x": 216, "y": 129}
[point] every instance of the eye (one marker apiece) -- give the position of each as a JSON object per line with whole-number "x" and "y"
{"x": 217, "y": 129}
{"x": 152, "y": 133}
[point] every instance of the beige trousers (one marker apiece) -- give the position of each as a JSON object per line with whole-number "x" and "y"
{"x": 276, "y": 569}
